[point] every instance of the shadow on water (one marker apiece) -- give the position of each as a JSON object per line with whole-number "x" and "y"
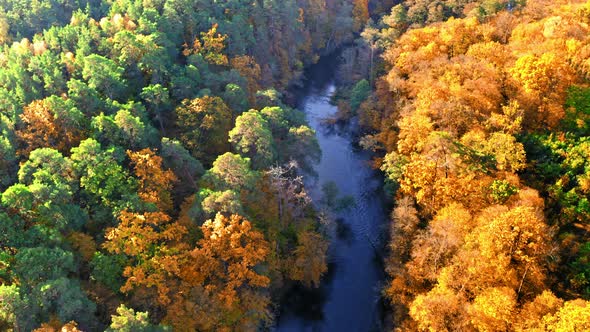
{"x": 307, "y": 302}
{"x": 344, "y": 231}
{"x": 315, "y": 78}
{"x": 327, "y": 128}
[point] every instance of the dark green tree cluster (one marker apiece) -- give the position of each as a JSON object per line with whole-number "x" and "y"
{"x": 560, "y": 168}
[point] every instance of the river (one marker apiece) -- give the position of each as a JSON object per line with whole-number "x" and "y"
{"x": 349, "y": 296}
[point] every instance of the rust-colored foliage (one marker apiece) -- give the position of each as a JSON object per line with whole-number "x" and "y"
{"x": 155, "y": 183}
{"x": 310, "y": 260}
{"x": 44, "y": 126}
{"x": 249, "y": 69}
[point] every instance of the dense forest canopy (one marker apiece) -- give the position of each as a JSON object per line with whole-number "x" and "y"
{"x": 480, "y": 113}
{"x": 149, "y": 170}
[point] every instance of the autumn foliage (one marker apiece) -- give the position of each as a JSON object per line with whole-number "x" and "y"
{"x": 135, "y": 142}
{"x": 473, "y": 245}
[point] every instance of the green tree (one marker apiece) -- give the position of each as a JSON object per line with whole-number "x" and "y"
{"x": 104, "y": 75}
{"x": 102, "y": 179}
{"x": 158, "y": 99}
{"x": 236, "y": 98}
{"x": 252, "y": 138}
{"x": 108, "y": 270}
{"x": 13, "y": 308}
{"x": 128, "y": 127}
{"x": 360, "y": 92}
{"x": 231, "y": 171}
{"x": 226, "y": 202}
{"x": 178, "y": 159}
{"x": 128, "y": 320}
{"x": 8, "y": 164}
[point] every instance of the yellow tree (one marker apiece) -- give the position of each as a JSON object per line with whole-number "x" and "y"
{"x": 573, "y": 316}
{"x": 222, "y": 272}
{"x": 494, "y": 309}
{"x": 149, "y": 239}
{"x": 440, "y": 309}
{"x": 531, "y": 315}
{"x": 210, "y": 47}
{"x": 544, "y": 81}
{"x": 434, "y": 248}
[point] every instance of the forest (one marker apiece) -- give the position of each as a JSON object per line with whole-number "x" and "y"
{"x": 479, "y": 116}
{"x": 150, "y": 175}
{"x": 152, "y": 169}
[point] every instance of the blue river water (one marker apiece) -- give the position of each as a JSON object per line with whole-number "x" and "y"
{"x": 349, "y": 296}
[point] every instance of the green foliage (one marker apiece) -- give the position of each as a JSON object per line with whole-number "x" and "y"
{"x": 577, "y": 119}
{"x": 19, "y": 200}
{"x": 181, "y": 162}
{"x": 108, "y": 270}
{"x": 360, "y": 92}
{"x": 581, "y": 270}
{"x": 268, "y": 98}
{"x": 12, "y": 307}
{"x": 231, "y": 171}
{"x": 86, "y": 98}
{"x": 36, "y": 265}
{"x": 501, "y": 190}
{"x": 8, "y": 152}
{"x": 252, "y": 138}
{"x": 394, "y": 166}
{"x": 104, "y": 75}
{"x": 122, "y": 129}
{"x": 49, "y": 167}
{"x": 184, "y": 81}
{"x": 301, "y": 145}
{"x": 44, "y": 196}
{"x": 12, "y": 231}
{"x": 158, "y": 99}
{"x": 227, "y": 202}
{"x": 236, "y": 98}
{"x": 278, "y": 120}
{"x": 128, "y": 320}
{"x": 27, "y": 17}
{"x": 47, "y": 70}
{"x": 292, "y": 138}
{"x": 116, "y": 76}
{"x": 564, "y": 165}
{"x": 65, "y": 297}
{"x": 102, "y": 179}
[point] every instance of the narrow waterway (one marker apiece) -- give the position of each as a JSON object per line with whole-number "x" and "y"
{"x": 348, "y": 299}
